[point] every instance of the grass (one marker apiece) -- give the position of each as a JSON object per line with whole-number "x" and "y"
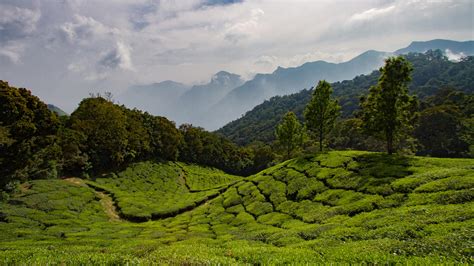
{"x": 340, "y": 207}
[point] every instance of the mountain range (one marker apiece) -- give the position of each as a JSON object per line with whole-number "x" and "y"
{"x": 432, "y": 71}
{"x": 227, "y": 97}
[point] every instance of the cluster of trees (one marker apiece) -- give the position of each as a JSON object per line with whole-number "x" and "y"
{"x": 431, "y": 72}
{"x": 101, "y": 136}
{"x": 442, "y": 126}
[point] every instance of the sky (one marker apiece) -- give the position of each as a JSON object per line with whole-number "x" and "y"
{"x": 65, "y": 49}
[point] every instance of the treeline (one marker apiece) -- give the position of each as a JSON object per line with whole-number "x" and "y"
{"x": 444, "y": 126}
{"x": 101, "y": 136}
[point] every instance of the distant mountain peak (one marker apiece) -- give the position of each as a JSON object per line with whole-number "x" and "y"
{"x": 467, "y": 47}
{"x": 224, "y": 77}
{"x": 169, "y": 83}
{"x": 57, "y": 110}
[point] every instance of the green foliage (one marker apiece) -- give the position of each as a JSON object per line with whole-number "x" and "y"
{"x": 27, "y": 136}
{"x": 388, "y": 111}
{"x": 154, "y": 190}
{"x": 289, "y": 134}
{"x": 104, "y": 126}
{"x": 431, "y": 73}
{"x": 201, "y": 178}
{"x": 163, "y": 136}
{"x": 321, "y": 112}
{"x": 444, "y": 124}
{"x": 205, "y": 148}
{"x": 269, "y": 218}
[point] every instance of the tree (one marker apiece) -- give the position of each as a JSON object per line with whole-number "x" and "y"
{"x": 164, "y": 137}
{"x": 28, "y": 130}
{"x": 388, "y": 112}
{"x": 104, "y": 127}
{"x": 321, "y": 111}
{"x": 289, "y": 133}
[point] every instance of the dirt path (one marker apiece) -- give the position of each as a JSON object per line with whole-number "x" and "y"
{"x": 108, "y": 205}
{"x": 105, "y": 200}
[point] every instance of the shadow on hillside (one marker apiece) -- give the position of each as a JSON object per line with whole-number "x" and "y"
{"x": 382, "y": 165}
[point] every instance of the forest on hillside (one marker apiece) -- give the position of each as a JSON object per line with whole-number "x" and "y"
{"x": 444, "y": 89}
{"x": 101, "y": 136}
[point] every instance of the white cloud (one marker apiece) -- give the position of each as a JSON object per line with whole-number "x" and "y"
{"x": 12, "y": 51}
{"x": 113, "y": 44}
{"x": 16, "y": 24}
{"x": 239, "y": 30}
{"x": 372, "y": 14}
{"x": 456, "y": 57}
{"x": 83, "y": 29}
{"x": 119, "y": 57}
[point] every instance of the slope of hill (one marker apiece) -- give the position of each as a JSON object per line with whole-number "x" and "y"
{"x": 226, "y": 97}
{"x": 179, "y": 102}
{"x": 285, "y": 81}
{"x": 195, "y": 102}
{"x": 156, "y": 98}
{"x": 339, "y": 207}
{"x": 57, "y": 110}
{"x": 431, "y": 72}
{"x": 465, "y": 48}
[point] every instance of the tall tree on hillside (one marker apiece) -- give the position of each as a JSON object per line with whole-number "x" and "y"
{"x": 289, "y": 133}
{"x": 104, "y": 126}
{"x": 322, "y": 111}
{"x": 388, "y": 112}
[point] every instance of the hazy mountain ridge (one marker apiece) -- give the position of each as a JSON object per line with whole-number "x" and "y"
{"x": 430, "y": 74}
{"x": 227, "y": 97}
{"x": 155, "y": 98}
{"x": 196, "y": 101}
{"x": 466, "y": 47}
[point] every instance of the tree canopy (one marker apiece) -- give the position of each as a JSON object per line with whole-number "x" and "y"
{"x": 389, "y": 112}
{"x": 321, "y": 111}
{"x": 289, "y": 133}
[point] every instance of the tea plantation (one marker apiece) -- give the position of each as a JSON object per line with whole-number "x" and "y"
{"x": 336, "y": 207}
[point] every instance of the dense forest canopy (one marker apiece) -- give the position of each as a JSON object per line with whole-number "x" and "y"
{"x": 101, "y": 136}
{"x": 432, "y": 73}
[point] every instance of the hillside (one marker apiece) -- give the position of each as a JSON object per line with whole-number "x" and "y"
{"x": 57, "y": 110}
{"x": 285, "y": 81}
{"x": 432, "y": 71}
{"x": 227, "y": 97}
{"x": 156, "y": 98}
{"x": 339, "y": 207}
{"x": 465, "y": 48}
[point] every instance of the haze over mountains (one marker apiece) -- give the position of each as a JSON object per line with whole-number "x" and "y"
{"x": 227, "y": 97}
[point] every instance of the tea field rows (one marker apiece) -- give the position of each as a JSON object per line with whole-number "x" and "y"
{"x": 339, "y": 207}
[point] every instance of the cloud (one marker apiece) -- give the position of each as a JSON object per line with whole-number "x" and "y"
{"x": 454, "y": 56}
{"x": 63, "y": 48}
{"x": 241, "y": 29}
{"x": 119, "y": 57}
{"x": 371, "y": 14}
{"x": 12, "y": 51}
{"x": 16, "y": 24}
{"x": 84, "y": 28}
{"x": 411, "y": 15}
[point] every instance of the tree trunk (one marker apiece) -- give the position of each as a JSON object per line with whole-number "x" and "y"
{"x": 321, "y": 139}
{"x": 389, "y": 143}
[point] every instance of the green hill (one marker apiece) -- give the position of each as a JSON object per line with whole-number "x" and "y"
{"x": 57, "y": 110}
{"x": 334, "y": 207}
{"x": 432, "y": 71}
